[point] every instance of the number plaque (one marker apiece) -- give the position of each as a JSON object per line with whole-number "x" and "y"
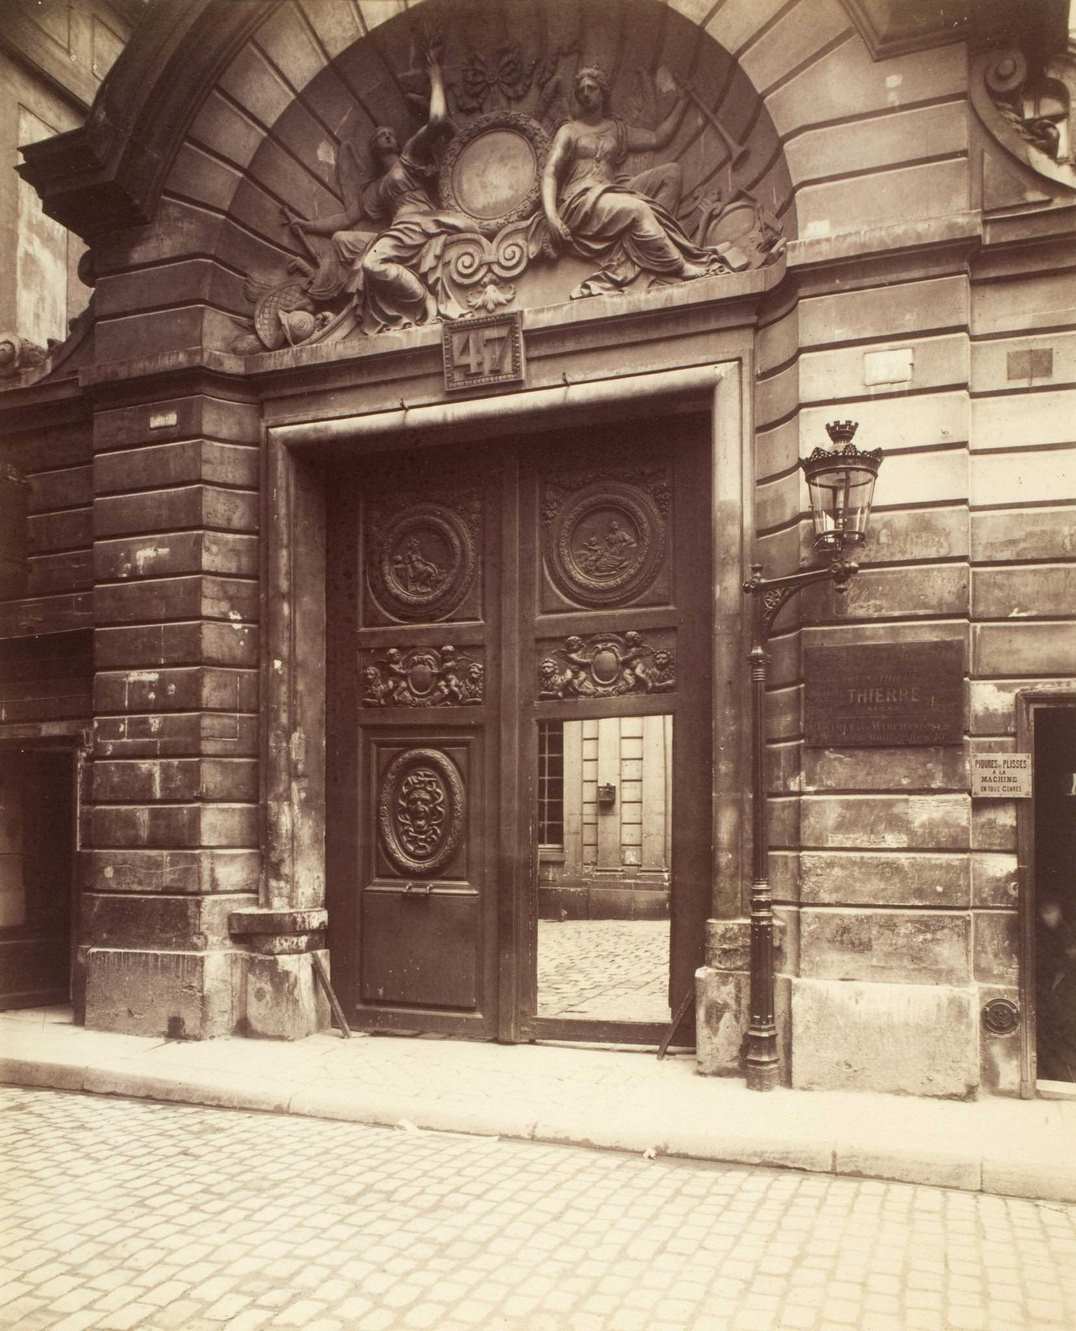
{"x": 483, "y": 351}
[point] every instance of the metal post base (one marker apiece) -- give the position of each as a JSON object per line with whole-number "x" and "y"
{"x": 762, "y": 1076}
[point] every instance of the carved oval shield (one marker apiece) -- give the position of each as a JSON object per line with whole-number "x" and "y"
{"x": 421, "y": 810}
{"x": 606, "y": 544}
{"x": 422, "y": 562}
{"x": 492, "y": 170}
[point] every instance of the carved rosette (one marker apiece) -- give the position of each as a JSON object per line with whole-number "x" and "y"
{"x": 422, "y": 558}
{"x": 605, "y": 542}
{"x": 421, "y": 811}
{"x": 422, "y": 677}
{"x": 606, "y": 665}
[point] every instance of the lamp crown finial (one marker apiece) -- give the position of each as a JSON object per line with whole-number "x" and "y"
{"x": 841, "y": 432}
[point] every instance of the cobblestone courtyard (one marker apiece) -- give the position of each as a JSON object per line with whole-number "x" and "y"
{"x": 612, "y": 970}
{"x": 127, "y": 1214}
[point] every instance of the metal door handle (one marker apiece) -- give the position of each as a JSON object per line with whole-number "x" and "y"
{"x": 417, "y": 889}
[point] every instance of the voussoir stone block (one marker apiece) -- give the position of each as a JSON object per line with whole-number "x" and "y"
{"x": 912, "y": 1039}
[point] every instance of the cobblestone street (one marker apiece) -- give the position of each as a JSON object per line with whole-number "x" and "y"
{"x": 612, "y": 970}
{"x": 123, "y": 1214}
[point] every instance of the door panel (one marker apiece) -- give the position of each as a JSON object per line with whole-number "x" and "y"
{"x": 474, "y": 592}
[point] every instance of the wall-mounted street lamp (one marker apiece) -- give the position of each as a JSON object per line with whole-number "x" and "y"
{"x": 840, "y": 481}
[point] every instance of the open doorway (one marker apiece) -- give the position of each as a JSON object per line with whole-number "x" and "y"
{"x": 1055, "y": 892}
{"x": 604, "y": 868}
{"x": 37, "y": 854}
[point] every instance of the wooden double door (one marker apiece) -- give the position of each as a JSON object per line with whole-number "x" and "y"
{"x": 474, "y": 593}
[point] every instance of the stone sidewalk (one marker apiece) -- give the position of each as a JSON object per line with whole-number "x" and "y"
{"x": 598, "y": 1097}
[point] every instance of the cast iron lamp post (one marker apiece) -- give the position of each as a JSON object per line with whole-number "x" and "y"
{"x": 841, "y": 485}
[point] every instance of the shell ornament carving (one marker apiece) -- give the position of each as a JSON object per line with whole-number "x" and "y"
{"x": 422, "y": 561}
{"x": 421, "y": 811}
{"x": 605, "y": 543}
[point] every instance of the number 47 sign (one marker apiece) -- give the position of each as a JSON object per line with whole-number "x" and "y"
{"x": 483, "y": 351}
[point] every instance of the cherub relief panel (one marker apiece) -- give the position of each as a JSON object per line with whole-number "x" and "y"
{"x": 519, "y": 185}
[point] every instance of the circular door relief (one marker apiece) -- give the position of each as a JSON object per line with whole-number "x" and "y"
{"x": 422, "y": 563}
{"x": 420, "y": 812}
{"x": 606, "y": 544}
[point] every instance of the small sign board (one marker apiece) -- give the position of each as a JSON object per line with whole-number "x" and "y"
{"x": 882, "y": 695}
{"x": 478, "y": 352}
{"x": 1001, "y": 776}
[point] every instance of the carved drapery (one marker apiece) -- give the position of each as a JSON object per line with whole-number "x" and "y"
{"x": 504, "y": 103}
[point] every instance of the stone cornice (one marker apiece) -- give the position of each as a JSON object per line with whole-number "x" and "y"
{"x": 108, "y": 173}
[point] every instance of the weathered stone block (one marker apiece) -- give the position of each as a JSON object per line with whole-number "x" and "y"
{"x": 722, "y": 1016}
{"x": 879, "y": 822}
{"x": 997, "y": 947}
{"x": 1033, "y": 533}
{"x": 193, "y": 642}
{"x": 187, "y": 923}
{"x": 777, "y": 395}
{"x": 1024, "y": 420}
{"x": 885, "y": 312}
{"x": 933, "y": 189}
{"x": 280, "y": 998}
{"x": 1012, "y": 650}
{"x": 176, "y": 735}
{"x": 1000, "y": 1055}
{"x": 60, "y": 489}
{"x": 846, "y": 84}
{"x": 192, "y": 597}
{"x": 180, "y": 995}
{"x": 939, "y": 589}
{"x": 173, "y": 510}
{"x": 995, "y": 881}
{"x": 170, "y": 871}
{"x": 157, "y": 466}
{"x": 1020, "y": 593}
{"x": 930, "y": 420}
{"x": 923, "y": 477}
{"x": 901, "y": 947}
{"x": 993, "y": 825}
{"x": 884, "y": 879}
{"x": 902, "y": 1038}
{"x": 1009, "y": 479}
{"x": 885, "y": 769}
{"x": 937, "y": 362}
{"x": 791, "y": 41}
{"x": 176, "y": 689}
{"x": 198, "y": 417}
{"x": 919, "y": 534}
{"x": 838, "y": 150}
{"x": 1046, "y": 298}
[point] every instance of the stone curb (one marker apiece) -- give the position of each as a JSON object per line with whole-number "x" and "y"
{"x": 961, "y": 1168}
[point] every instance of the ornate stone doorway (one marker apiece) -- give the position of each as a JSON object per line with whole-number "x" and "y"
{"x": 477, "y": 597}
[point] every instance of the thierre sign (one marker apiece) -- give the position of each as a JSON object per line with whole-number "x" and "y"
{"x": 1001, "y": 776}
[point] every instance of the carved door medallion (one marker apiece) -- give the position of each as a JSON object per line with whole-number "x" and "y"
{"x": 422, "y": 558}
{"x": 605, "y": 540}
{"x": 473, "y": 594}
{"x": 421, "y": 811}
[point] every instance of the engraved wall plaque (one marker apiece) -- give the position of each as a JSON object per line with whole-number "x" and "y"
{"x": 1001, "y": 776}
{"x": 478, "y": 352}
{"x": 884, "y": 695}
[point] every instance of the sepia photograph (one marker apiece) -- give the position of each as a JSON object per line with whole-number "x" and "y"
{"x": 538, "y": 665}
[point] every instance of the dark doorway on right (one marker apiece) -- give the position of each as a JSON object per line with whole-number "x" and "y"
{"x": 1055, "y": 891}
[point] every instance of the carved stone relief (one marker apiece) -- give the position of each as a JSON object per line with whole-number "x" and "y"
{"x": 1030, "y": 112}
{"x": 605, "y": 536}
{"x": 606, "y": 665}
{"x": 422, "y": 557}
{"x": 421, "y": 677}
{"x": 421, "y": 810}
{"x": 521, "y": 159}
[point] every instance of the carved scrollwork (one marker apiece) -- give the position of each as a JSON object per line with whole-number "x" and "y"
{"x": 605, "y": 541}
{"x": 421, "y": 810}
{"x": 422, "y": 556}
{"x": 1032, "y": 114}
{"x": 606, "y": 665}
{"x": 421, "y": 677}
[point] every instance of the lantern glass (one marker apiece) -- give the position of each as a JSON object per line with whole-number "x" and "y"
{"x": 841, "y": 486}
